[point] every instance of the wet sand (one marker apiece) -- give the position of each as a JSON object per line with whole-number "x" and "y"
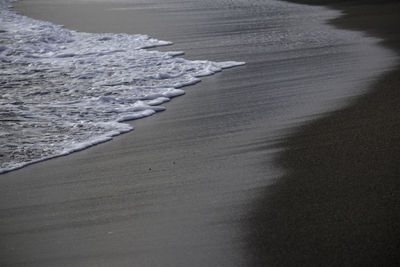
{"x": 338, "y": 202}
{"x": 192, "y": 186}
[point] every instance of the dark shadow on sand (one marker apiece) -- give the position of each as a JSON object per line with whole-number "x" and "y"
{"x": 338, "y": 203}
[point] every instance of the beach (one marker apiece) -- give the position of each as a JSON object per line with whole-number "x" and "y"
{"x": 337, "y": 203}
{"x": 288, "y": 160}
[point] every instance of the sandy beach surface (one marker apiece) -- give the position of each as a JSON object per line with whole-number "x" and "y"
{"x": 229, "y": 174}
{"x": 337, "y": 203}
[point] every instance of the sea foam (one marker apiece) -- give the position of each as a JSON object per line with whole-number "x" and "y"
{"x": 63, "y": 91}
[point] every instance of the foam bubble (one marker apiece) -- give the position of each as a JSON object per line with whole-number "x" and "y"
{"x": 63, "y": 91}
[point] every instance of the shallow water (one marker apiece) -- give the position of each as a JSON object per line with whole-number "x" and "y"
{"x": 64, "y": 91}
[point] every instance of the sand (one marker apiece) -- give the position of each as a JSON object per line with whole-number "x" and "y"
{"x": 192, "y": 186}
{"x": 337, "y": 204}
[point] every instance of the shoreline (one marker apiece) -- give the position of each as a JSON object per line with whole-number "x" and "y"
{"x": 27, "y": 141}
{"x": 338, "y": 201}
{"x": 174, "y": 191}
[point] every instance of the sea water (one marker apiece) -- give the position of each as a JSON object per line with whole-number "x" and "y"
{"x": 63, "y": 90}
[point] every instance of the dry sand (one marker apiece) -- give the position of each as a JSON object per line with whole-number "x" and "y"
{"x": 338, "y": 202}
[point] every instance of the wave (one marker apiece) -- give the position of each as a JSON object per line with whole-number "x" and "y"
{"x": 63, "y": 90}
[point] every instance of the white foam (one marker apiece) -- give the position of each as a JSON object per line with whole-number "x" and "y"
{"x": 63, "y": 91}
